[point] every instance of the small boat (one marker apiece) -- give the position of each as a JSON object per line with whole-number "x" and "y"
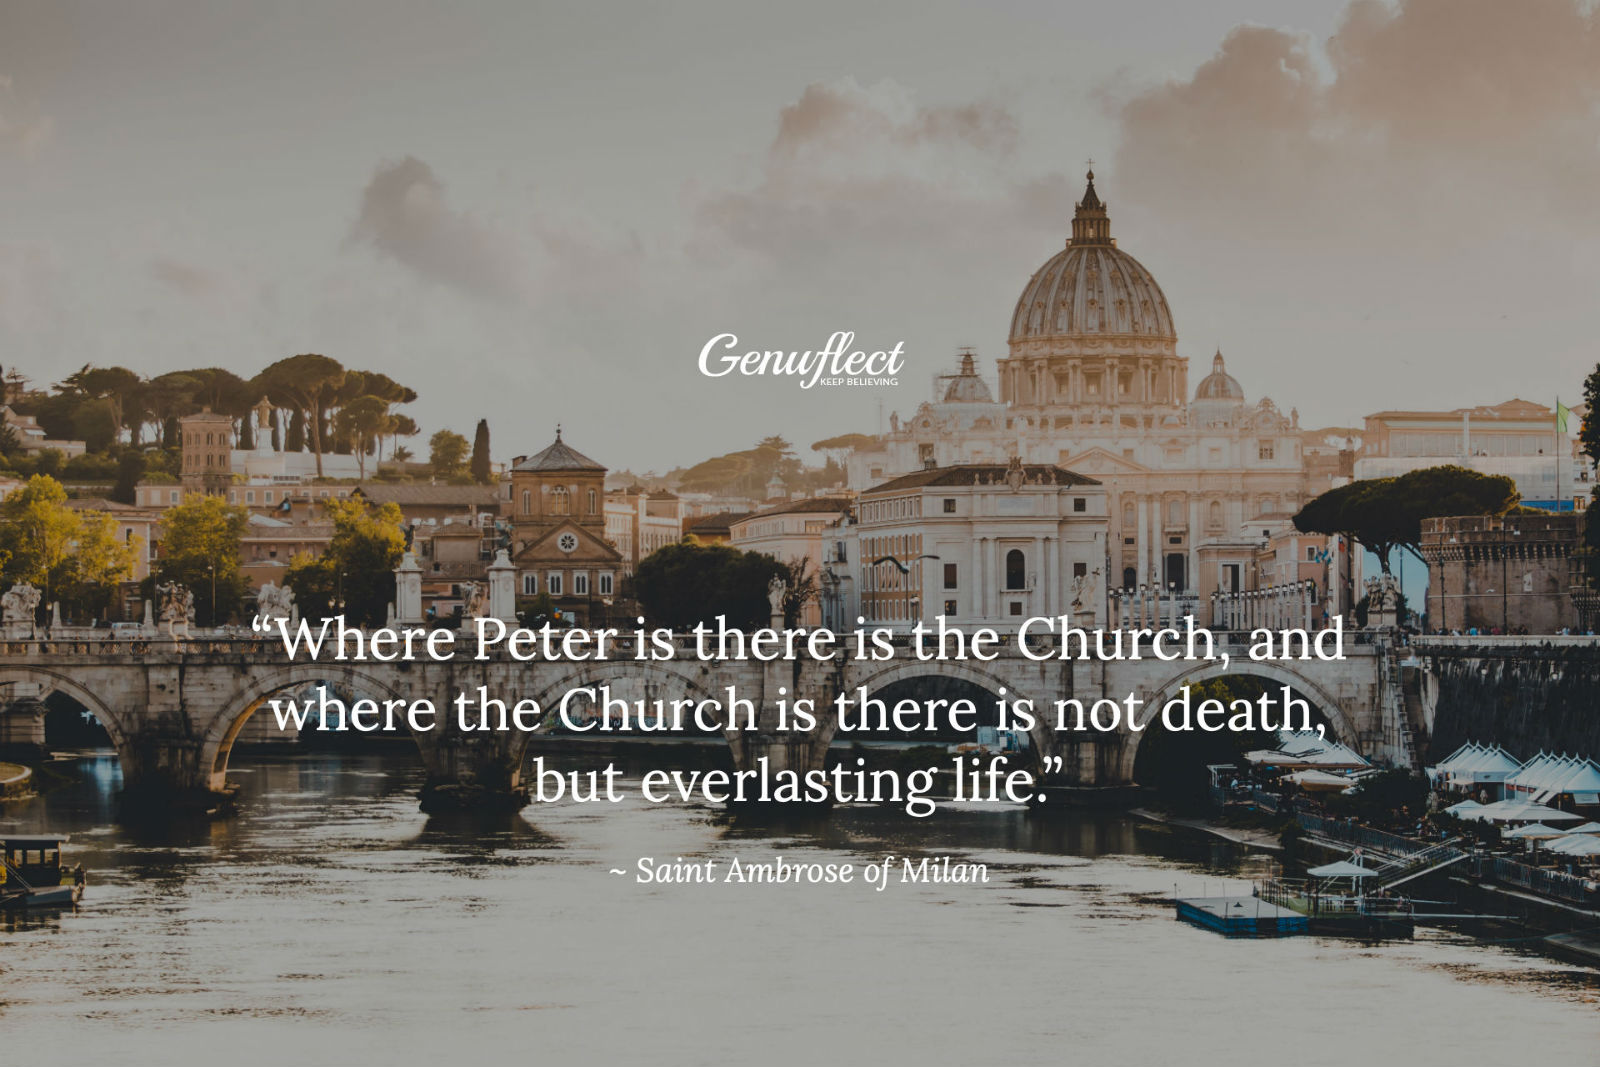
{"x": 31, "y": 875}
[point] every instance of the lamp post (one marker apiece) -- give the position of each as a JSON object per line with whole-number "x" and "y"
{"x": 211, "y": 569}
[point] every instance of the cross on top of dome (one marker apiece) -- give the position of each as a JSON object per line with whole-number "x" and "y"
{"x": 1091, "y": 225}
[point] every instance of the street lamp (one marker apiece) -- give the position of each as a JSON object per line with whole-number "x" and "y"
{"x": 211, "y": 568}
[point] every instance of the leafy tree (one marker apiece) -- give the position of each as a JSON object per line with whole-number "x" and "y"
{"x": 358, "y": 567}
{"x": 71, "y": 556}
{"x": 402, "y": 426}
{"x": 166, "y": 397}
{"x": 200, "y": 544}
{"x": 119, "y": 386}
{"x": 95, "y": 423}
{"x": 1589, "y": 441}
{"x": 306, "y": 384}
{"x": 1383, "y": 514}
{"x": 297, "y": 432}
{"x": 363, "y": 420}
{"x": 447, "y": 453}
{"x": 480, "y": 453}
{"x": 130, "y": 469}
{"x": 685, "y": 584}
{"x": 10, "y": 443}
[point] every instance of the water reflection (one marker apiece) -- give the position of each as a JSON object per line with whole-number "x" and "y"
{"x": 332, "y": 919}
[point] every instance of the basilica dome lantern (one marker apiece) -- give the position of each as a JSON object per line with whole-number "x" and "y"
{"x": 1218, "y": 398}
{"x": 1092, "y": 330}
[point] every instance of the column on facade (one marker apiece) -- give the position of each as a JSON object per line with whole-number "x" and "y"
{"x": 1142, "y": 536}
{"x": 1192, "y": 577}
{"x": 975, "y": 577}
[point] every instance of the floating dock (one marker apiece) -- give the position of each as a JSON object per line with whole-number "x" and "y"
{"x": 1242, "y": 917}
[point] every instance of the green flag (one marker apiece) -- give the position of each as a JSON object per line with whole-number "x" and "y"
{"x": 1562, "y": 411}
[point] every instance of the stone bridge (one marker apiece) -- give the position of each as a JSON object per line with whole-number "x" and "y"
{"x": 174, "y": 706}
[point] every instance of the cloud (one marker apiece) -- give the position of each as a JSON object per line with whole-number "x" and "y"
{"x": 1416, "y": 193}
{"x": 22, "y": 128}
{"x": 405, "y": 217}
{"x": 183, "y": 277}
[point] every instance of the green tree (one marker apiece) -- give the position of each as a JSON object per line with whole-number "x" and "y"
{"x": 71, "y": 556}
{"x": 130, "y": 469}
{"x": 200, "y": 541}
{"x": 306, "y": 384}
{"x": 480, "y": 453}
{"x": 447, "y": 453}
{"x": 363, "y": 420}
{"x": 95, "y": 423}
{"x": 297, "y": 432}
{"x": 1589, "y": 442}
{"x": 358, "y": 567}
{"x": 685, "y": 584}
{"x": 1383, "y": 514}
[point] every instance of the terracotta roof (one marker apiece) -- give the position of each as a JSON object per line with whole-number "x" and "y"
{"x": 821, "y": 504}
{"x": 981, "y": 474}
{"x": 404, "y": 493}
{"x": 721, "y": 522}
{"x": 558, "y": 457}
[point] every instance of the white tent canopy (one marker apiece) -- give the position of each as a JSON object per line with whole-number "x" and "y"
{"x": 1341, "y": 869}
{"x": 1576, "y": 845}
{"x": 1533, "y": 831}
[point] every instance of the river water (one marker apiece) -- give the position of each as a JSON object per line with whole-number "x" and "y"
{"x": 332, "y": 921}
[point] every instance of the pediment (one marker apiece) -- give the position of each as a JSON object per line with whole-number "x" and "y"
{"x": 546, "y": 548}
{"x": 1097, "y": 461}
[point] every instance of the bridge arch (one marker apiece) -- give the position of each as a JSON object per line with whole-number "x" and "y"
{"x": 875, "y": 679}
{"x": 688, "y": 679}
{"x": 1341, "y": 721}
{"x": 234, "y": 710}
{"x": 50, "y": 681}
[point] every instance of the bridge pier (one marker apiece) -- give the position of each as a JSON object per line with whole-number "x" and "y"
{"x": 22, "y": 728}
{"x": 472, "y": 772}
{"x": 162, "y": 773}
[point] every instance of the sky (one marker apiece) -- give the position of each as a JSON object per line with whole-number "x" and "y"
{"x": 539, "y": 214}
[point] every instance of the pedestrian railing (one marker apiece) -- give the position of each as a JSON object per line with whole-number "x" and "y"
{"x": 1556, "y": 884}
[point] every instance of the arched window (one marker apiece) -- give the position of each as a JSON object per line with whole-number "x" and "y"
{"x": 527, "y": 502}
{"x": 1130, "y": 577}
{"x": 560, "y": 501}
{"x": 591, "y": 501}
{"x": 1016, "y": 570}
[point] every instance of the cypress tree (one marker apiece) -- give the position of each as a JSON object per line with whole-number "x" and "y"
{"x": 480, "y": 453}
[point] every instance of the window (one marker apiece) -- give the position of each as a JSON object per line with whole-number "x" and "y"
{"x": 1080, "y": 570}
{"x": 1130, "y": 577}
{"x": 1016, "y": 607}
{"x": 267, "y": 496}
{"x": 172, "y": 497}
{"x": 1016, "y": 570}
{"x": 560, "y": 501}
{"x": 950, "y": 575}
{"x": 949, "y": 607}
{"x": 1214, "y": 515}
{"x": 530, "y": 585}
{"x": 949, "y": 506}
{"x": 580, "y": 583}
{"x": 552, "y": 583}
{"x": 591, "y": 501}
{"x": 606, "y": 585}
{"x": 1264, "y": 450}
{"x": 527, "y": 502}
{"x": 1080, "y": 504}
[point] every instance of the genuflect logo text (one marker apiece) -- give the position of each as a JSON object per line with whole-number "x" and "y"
{"x": 835, "y": 363}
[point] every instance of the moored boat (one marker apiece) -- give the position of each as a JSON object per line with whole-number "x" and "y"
{"x": 32, "y": 875}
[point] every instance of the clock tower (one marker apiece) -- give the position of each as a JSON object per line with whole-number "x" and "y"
{"x": 555, "y": 504}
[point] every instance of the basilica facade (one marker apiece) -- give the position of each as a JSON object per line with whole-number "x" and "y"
{"x": 1195, "y": 482}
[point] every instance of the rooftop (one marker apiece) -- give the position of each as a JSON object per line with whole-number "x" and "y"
{"x": 982, "y": 474}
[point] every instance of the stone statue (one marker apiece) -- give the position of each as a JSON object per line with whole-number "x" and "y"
{"x": 1081, "y": 584}
{"x": 472, "y": 605}
{"x": 20, "y": 603}
{"x": 176, "y": 604}
{"x": 777, "y": 589}
{"x": 275, "y": 601}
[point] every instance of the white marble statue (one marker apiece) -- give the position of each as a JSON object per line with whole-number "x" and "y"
{"x": 275, "y": 601}
{"x": 777, "y": 589}
{"x": 20, "y": 603}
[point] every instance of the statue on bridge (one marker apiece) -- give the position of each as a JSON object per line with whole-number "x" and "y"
{"x": 275, "y": 601}
{"x": 472, "y": 600}
{"x": 176, "y": 605}
{"x": 777, "y": 590}
{"x": 20, "y": 604}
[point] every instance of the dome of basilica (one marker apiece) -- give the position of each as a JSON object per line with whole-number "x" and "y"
{"x": 1219, "y": 384}
{"x": 1092, "y": 289}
